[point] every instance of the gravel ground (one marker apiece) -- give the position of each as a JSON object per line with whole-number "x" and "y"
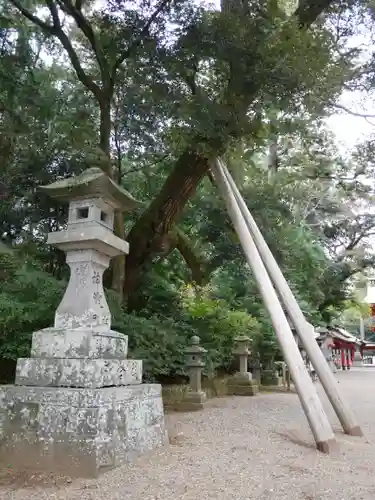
{"x": 241, "y": 449}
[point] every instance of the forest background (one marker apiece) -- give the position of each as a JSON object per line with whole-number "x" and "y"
{"x": 150, "y": 92}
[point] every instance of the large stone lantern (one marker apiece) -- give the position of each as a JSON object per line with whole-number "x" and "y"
{"x": 78, "y": 404}
{"x": 89, "y": 244}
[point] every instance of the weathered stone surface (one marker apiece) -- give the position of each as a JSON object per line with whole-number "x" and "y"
{"x": 243, "y": 390}
{"x": 84, "y": 304}
{"x": 93, "y": 237}
{"x": 240, "y": 385}
{"x": 67, "y": 372}
{"x": 241, "y": 378}
{"x": 193, "y": 401}
{"x": 79, "y": 430}
{"x": 269, "y": 377}
{"x": 60, "y": 343}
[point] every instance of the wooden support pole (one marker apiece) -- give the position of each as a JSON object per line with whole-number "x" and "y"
{"x": 323, "y": 370}
{"x": 312, "y": 406}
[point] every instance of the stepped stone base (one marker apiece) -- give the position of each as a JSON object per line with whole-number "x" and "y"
{"x": 242, "y": 384}
{"x": 193, "y": 401}
{"x": 79, "y": 431}
{"x": 78, "y": 343}
{"x": 90, "y": 373}
{"x": 268, "y": 378}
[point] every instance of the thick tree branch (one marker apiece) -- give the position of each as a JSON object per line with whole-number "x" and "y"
{"x": 31, "y": 17}
{"x": 118, "y": 175}
{"x": 57, "y": 31}
{"x": 353, "y": 113}
{"x": 85, "y": 26}
{"x": 308, "y": 11}
{"x": 195, "y": 264}
{"x": 143, "y": 167}
{"x": 273, "y": 153}
{"x": 357, "y": 239}
{"x": 55, "y": 14}
{"x": 142, "y": 35}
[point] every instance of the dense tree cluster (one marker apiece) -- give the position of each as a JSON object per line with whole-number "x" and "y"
{"x": 151, "y": 92}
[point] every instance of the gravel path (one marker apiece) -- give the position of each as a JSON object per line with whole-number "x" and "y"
{"x": 241, "y": 449}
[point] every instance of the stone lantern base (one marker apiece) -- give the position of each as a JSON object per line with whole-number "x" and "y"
{"x": 269, "y": 377}
{"x": 105, "y": 418}
{"x": 79, "y": 431}
{"x": 242, "y": 384}
{"x": 193, "y": 401}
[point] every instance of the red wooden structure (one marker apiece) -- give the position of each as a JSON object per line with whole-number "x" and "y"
{"x": 342, "y": 344}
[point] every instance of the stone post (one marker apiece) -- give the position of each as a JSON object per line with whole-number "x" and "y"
{"x": 241, "y": 384}
{"x": 195, "y": 397}
{"x": 78, "y": 404}
{"x": 358, "y": 358}
{"x": 257, "y": 368}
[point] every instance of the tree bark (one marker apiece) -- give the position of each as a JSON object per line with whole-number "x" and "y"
{"x": 105, "y": 129}
{"x": 146, "y": 236}
{"x": 198, "y": 269}
{"x": 118, "y": 263}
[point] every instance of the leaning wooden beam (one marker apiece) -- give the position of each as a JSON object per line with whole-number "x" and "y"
{"x": 310, "y": 401}
{"x": 304, "y": 332}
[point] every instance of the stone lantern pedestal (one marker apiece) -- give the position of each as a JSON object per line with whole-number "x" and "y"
{"x": 78, "y": 404}
{"x": 242, "y": 383}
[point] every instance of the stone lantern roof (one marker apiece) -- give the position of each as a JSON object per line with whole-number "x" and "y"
{"x": 91, "y": 183}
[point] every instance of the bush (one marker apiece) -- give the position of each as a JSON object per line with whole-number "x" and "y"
{"x": 159, "y": 342}
{"x": 217, "y": 327}
{"x": 29, "y": 298}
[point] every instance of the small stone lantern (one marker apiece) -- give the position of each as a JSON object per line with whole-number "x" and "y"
{"x": 243, "y": 352}
{"x": 257, "y": 367}
{"x": 195, "y": 397}
{"x": 241, "y": 384}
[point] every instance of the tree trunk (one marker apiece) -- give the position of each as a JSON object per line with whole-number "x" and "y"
{"x": 118, "y": 263}
{"x": 105, "y": 130}
{"x": 273, "y": 156}
{"x": 146, "y": 236}
{"x": 199, "y": 272}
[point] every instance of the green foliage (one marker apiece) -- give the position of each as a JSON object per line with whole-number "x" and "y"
{"x": 225, "y": 83}
{"x": 28, "y": 300}
{"x": 30, "y": 297}
{"x": 217, "y": 325}
{"x": 158, "y": 341}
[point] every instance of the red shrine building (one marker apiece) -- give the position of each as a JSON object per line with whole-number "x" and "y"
{"x": 339, "y": 346}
